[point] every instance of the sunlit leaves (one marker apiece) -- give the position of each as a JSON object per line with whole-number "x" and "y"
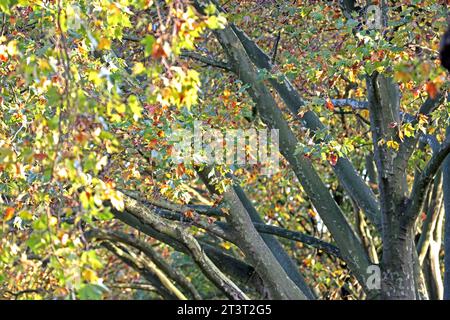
{"x": 408, "y": 130}
{"x": 135, "y": 107}
{"x": 393, "y": 144}
{"x": 138, "y": 68}
{"x": 104, "y": 44}
{"x": 148, "y": 42}
{"x": 4, "y": 6}
{"x": 116, "y": 198}
{"x": 216, "y": 22}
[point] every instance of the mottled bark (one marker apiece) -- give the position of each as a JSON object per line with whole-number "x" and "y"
{"x": 346, "y": 173}
{"x": 275, "y": 278}
{"x": 174, "y": 231}
{"x": 276, "y": 248}
{"x": 151, "y": 254}
{"x": 398, "y": 280}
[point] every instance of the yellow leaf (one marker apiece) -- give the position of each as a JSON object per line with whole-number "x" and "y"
{"x": 138, "y": 68}
{"x": 422, "y": 118}
{"x": 26, "y": 215}
{"x": 52, "y": 221}
{"x": 401, "y": 135}
{"x": 226, "y": 245}
{"x": 117, "y": 200}
{"x": 89, "y": 275}
{"x": 12, "y": 48}
{"x": 408, "y": 130}
{"x": 402, "y": 76}
{"x": 393, "y": 144}
{"x": 216, "y": 22}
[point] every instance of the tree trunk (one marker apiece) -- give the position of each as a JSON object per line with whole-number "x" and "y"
{"x": 446, "y": 188}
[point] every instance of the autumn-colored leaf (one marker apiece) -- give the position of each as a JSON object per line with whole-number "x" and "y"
{"x": 40, "y": 156}
{"x": 89, "y": 275}
{"x": 393, "y": 144}
{"x": 393, "y": 124}
{"x": 81, "y": 137}
{"x": 161, "y": 134}
{"x": 9, "y": 213}
{"x": 180, "y": 169}
{"x": 211, "y": 220}
{"x": 160, "y": 50}
{"x": 165, "y": 252}
{"x": 329, "y": 105}
{"x": 423, "y": 216}
{"x": 189, "y": 214}
{"x": 3, "y": 53}
{"x": 423, "y": 119}
{"x": 104, "y": 44}
{"x": 431, "y": 89}
{"x": 332, "y": 158}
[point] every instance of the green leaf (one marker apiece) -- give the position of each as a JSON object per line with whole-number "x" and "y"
{"x": 90, "y": 292}
{"x": 4, "y": 6}
{"x": 148, "y": 42}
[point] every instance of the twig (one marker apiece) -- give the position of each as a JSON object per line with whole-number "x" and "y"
{"x": 206, "y": 60}
{"x": 275, "y": 47}
{"x": 135, "y": 286}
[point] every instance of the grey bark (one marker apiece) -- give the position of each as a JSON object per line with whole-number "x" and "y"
{"x": 278, "y": 283}
{"x": 350, "y": 245}
{"x": 346, "y": 173}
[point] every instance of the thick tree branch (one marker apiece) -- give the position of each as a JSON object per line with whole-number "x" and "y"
{"x": 206, "y": 60}
{"x": 267, "y": 230}
{"x": 298, "y": 236}
{"x": 151, "y": 254}
{"x": 399, "y": 254}
{"x": 235, "y": 268}
{"x": 344, "y": 170}
{"x": 407, "y": 146}
{"x": 432, "y": 214}
{"x": 354, "y": 104}
{"x": 279, "y": 285}
{"x": 446, "y": 190}
{"x": 274, "y": 245}
{"x": 432, "y": 141}
{"x": 133, "y": 261}
{"x": 346, "y": 239}
{"x": 422, "y": 182}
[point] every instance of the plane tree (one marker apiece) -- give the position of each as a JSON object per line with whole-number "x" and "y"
{"x": 96, "y": 203}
